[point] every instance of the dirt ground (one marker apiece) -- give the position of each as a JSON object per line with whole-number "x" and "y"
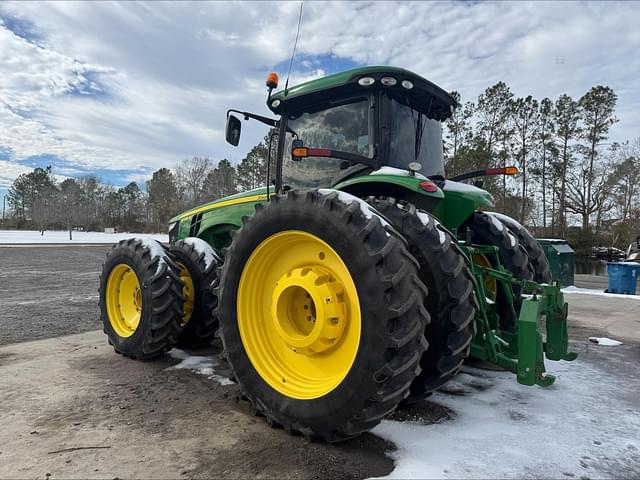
{"x": 72, "y": 408}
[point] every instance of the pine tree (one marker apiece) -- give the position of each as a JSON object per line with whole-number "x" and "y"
{"x": 567, "y": 117}
{"x": 459, "y": 133}
{"x": 598, "y": 107}
{"x": 524, "y": 117}
{"x": 221, "y": 181}
{"x": 493, "y": 113}
{"x": 162, "y": 190}
{"x": 546, "y": 128}
{"x": 252, "y": 171}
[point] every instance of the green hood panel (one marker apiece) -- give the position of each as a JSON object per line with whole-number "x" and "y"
{"x": 255, "y": 195}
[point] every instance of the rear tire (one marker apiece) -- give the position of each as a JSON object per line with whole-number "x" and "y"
{"x": 140, "y": 299}
{"x": 200, "y": 261}
{"x": 383, "y": 298}
{"x": 488, "y": 230}
{"x": 537, "y": 258}
{"x": 450, "y": 301}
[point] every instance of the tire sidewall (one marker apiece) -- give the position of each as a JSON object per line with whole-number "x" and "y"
{"x": 135, "y": 343}
{"x": 354, "y": 390}
{"x": 197, "y": 277}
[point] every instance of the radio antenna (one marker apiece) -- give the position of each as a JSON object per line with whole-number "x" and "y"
{"x": 293, "y": 53}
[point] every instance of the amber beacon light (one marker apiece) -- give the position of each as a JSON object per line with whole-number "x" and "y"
{"x": 272, "y": 80}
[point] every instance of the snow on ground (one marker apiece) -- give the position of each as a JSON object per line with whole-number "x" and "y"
{"x": 590, "y": 291}
{"x": 199, "y": 364}
{"x": 583, "y": 426}
{"x": 605, "y": 341}
{"x": 50, "y": 236}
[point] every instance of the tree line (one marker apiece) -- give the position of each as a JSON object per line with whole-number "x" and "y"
{"x": 572, "y": 183}
{"x": 39, "y": 201}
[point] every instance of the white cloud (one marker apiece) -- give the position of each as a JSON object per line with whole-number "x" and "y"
{"x": 9, "y": 171}
{"x": 169, "y": 71}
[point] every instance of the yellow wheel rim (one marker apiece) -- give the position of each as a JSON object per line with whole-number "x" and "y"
{"x": 490, "y": 283}
{"x": 188, "y": 292}
{"x": 124, "y": 300}
{"x": 298, "y": 314}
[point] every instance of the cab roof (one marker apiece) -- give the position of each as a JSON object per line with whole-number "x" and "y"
{"x": 434, "y": 100}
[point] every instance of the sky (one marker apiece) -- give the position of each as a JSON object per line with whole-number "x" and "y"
{"x": 122, "y": 89}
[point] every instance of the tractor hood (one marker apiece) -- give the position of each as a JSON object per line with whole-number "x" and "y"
{"x": 423, "y": 93}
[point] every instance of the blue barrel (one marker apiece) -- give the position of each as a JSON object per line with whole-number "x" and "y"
{"x": 623, "y": 277}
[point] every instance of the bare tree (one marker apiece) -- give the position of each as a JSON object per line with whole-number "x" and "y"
{"x": 191, "y": 175}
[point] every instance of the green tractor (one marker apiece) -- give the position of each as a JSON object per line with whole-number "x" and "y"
{"x": 358, "y": 278}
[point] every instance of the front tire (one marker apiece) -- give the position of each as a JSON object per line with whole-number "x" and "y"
{"x": 489, "y": 230}
{"x": 197, "y": 262}
{"x": 537, "y": 258}
{"x": 140, "y": 299}
{"x": 321, "y": 314}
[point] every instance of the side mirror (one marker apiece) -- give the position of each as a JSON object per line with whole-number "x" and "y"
{"x": 232, "y": 131}
{"x": 296, "y": 144}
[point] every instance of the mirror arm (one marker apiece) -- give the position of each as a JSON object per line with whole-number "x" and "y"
{"x": 247, "y": 115}
{"x": 267, "y": 121}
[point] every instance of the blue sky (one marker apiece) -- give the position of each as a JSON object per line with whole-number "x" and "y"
{"x": 122, "y": 89}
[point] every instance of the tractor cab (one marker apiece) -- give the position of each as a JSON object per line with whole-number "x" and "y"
{"x": 360, "y": 121}
{"x": 356, "y": 122}
{"x": 367, "y": 131}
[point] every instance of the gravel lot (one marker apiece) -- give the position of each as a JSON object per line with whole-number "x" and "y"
{"x": 48, "y": 291}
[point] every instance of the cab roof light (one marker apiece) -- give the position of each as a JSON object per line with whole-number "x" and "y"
{"x": 366, "y": 81}
{"x": 388, "y": 81}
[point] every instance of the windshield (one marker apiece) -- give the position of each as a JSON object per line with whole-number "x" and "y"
{"x": 413, "y": 137}
{"x": 343, "y": 128}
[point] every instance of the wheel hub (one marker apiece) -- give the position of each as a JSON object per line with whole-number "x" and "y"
{"x": 308, "y": 310}
{"x": 188, "y": 292}
{"x": 124, "y": 300}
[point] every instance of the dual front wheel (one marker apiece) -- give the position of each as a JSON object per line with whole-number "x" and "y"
{"x": 152, "y": 298}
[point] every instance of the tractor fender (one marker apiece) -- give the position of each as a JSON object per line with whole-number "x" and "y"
{"x": 402, "y": 187}
{"x": 461, "y": 200}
